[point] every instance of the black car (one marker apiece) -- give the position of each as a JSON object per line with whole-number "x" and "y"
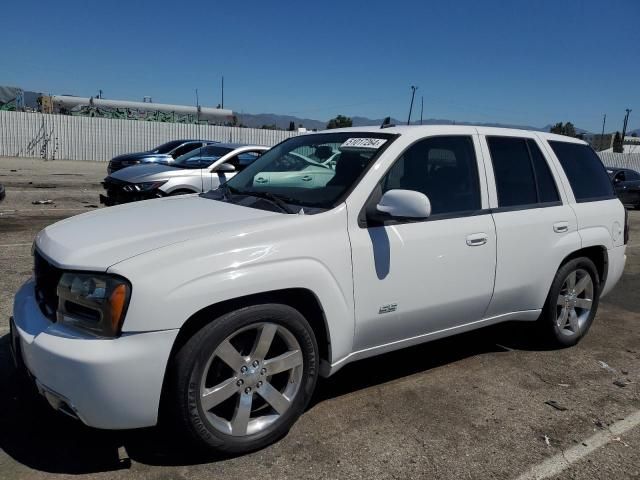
{"x": 627, "y": 185}
{"x": 165, "y": 153}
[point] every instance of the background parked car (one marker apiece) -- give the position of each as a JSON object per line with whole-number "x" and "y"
{"x": 200, "y": 170}
{"x": 166, "y": 153}
{"x": 627, "y": 185}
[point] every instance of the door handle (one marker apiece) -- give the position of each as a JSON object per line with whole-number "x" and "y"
{"x": 561, "y": 227}
{"x": 476, "y": 239}
{"x": 307, "y": 178}
{"x": 261, "y": 180}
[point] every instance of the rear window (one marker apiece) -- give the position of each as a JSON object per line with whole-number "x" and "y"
{"x": 587, "y": 176}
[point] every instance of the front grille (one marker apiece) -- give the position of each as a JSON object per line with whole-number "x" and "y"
{"x": 46, "y": 278}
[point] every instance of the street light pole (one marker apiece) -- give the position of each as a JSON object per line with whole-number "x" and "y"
{"x": 421, "y": 107}
{"x": 413, "y": 94}
{"x": 604, "y": 120}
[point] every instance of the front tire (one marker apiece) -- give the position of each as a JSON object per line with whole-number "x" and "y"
{"x": 572, "y": 303}
{"x": 242, "y": 381}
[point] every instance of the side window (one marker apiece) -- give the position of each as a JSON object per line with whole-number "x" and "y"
{"x": 632, "y": 175}
{"x": 620, "y": 177}
{"x": 587, "y": 176}
{"x": 547, "y": 190}
{"x": 185, "y": 149}
{"x": 243, "y": 160}
{"x": 444, "y": 169}
{"x": 513, "y": 171}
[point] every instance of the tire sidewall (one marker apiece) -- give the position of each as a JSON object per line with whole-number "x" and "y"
{"x": 202, "y": 345}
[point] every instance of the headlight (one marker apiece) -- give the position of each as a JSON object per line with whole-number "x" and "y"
{"x": 144, "y": 186}
{"x": 96, "y": 303}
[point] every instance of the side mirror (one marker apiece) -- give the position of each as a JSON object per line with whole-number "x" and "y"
{"x": 405, "y": 204}
{"x": 225, "y": 168}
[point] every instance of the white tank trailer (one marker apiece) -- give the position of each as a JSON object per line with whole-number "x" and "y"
{"x": 214, "y": 115}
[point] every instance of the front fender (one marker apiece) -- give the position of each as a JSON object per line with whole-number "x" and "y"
{"x": 172, "y": 283}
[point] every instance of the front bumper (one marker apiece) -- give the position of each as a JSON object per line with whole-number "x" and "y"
{"x": 118, "y": 192}
{"x": 106, "y": 383}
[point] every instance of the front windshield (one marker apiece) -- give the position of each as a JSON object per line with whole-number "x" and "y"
{"x": 201, "y": 157}
{"x": 311, "y": 170}
{"x": 167, "y": 147}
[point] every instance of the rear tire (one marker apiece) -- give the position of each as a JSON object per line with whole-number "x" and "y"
{"x": 241, "y": 382}
{"x": 572, "y": 303}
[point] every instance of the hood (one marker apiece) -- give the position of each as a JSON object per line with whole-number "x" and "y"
{"x": 139, "y": 156}
{"x": 101, "y": 238}
{"x": 149, "y": 172}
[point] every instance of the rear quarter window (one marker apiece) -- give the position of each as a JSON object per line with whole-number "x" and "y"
{"x": 586, "y": 173}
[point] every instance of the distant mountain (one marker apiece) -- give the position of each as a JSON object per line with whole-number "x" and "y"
{"x": 282, "y": 121}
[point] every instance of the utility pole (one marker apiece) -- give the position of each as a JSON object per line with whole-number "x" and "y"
{"x": 197, "y": 107}
{"x": 100, "y": 94}
{"x": 421, "y": 107}
{"x": 222, "y": 101}
{"x": 413, "y": 94}
{"x": 604, "y": 120}
{"x": 624, "y": 126}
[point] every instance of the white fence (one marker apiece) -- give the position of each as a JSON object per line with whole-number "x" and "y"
{"x": 83, "y": 138}
{"x": 622, "y": 160}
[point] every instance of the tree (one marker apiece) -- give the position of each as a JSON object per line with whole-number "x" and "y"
{"x": 292, "y": 126}
{"x": 564, "y": 129}
{"x": 339, "y": 122}
{"x": 272, "y": 126}
{"x": 617, "y": 143}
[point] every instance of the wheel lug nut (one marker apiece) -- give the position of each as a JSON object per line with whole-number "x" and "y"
{"x": 263, "y": 371}
{"x": 247, "y": 390}
{"x": 243, "y": 370}
{"x": 256, "y": 363}
{"x": 240, "y": 382}
{"x": 259, "y": 384}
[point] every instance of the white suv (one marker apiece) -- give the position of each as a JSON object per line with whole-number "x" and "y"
{"x": 221, "y": 309}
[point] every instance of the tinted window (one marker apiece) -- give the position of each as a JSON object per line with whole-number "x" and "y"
{"x": 515, "y": 179}
{"x": 185, "y": 149}
{"x": 444, "y": 169}
{"x": 167, "y": 147}
{"x": 632, "y": 175}
{"x": 586, "y": 174}
{"x": 547, "y": 190}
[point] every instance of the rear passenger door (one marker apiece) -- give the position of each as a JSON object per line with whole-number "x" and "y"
{"x": 535, "y": 226}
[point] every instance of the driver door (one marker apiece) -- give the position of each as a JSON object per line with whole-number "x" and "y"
{"x": 415, "y": 278}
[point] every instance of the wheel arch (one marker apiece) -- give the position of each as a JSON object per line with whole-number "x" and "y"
{"x": 302, "y": 299}
{"x": 597, "y": 254}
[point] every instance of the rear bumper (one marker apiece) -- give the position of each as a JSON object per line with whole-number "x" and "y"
{"x": 106, "y": 383}
{"x": 617, "y": 259}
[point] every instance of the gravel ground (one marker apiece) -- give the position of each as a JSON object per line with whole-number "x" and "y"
{"x": 472, "y": 406}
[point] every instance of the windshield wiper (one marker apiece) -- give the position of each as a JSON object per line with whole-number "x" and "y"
{"x": 277, "y": 200}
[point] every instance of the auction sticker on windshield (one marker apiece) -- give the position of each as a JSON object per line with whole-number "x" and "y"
{"x": 363, "y": 143}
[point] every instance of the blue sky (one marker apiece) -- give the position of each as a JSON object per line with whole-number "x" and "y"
{"x": 524, "y": 62}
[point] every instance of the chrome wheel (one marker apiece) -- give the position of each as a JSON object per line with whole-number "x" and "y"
{"x": 574, "y": 302}
{"x": 251, "y": 379}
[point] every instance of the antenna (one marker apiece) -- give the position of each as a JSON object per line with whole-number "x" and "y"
{"x": 413, "y": 94}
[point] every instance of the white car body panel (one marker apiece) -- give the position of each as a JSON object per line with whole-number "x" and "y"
{"x": 183, "y": 254}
